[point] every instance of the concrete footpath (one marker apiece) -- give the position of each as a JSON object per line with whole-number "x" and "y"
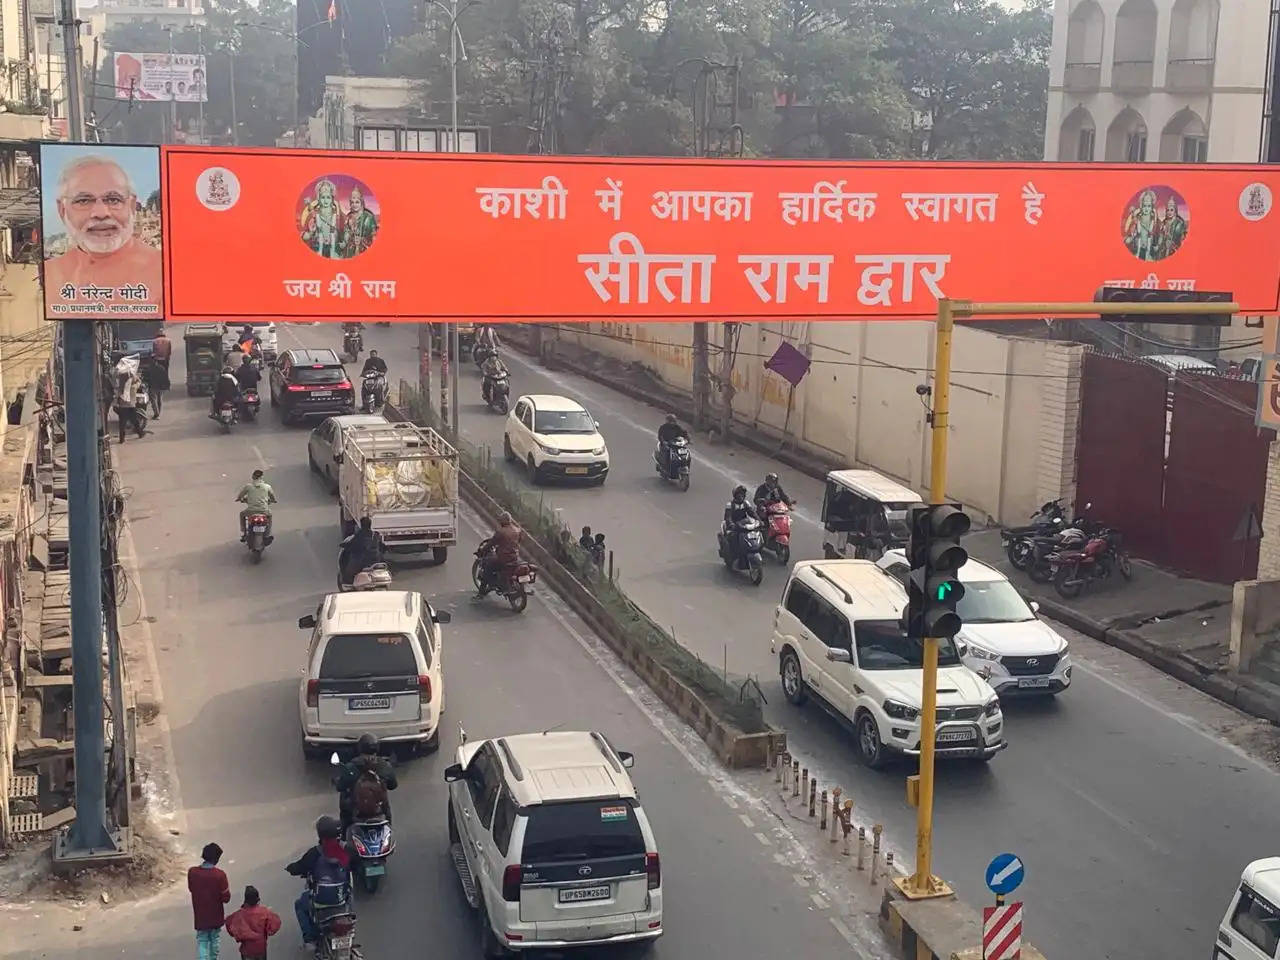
{"x": 1179, "y": 625}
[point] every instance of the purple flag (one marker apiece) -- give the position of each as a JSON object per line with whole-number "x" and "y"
{"x": 788, "y": 363}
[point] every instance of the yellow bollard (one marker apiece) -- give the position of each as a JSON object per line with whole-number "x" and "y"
{"x": 835, "y": 813}
{"x": 822, "y": 823}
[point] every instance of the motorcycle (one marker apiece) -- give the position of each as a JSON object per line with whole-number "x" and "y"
{"x": 257, "y": 534}
{"x": 515, "y": 585}
{"x": 777, "y": 532}
{"x": 373, "y": 391}
{"x": 480, "y": 354}
{"x": 337, "y": 928}
{"x": 352, "y": 343}
{"x": 376, "y": 576}
{"x": 370, "y": 841}
{"x": 1101, "y": 557}
{"x": 679, "y": 460}
{"x": 249, "y": 403}
{"x": 1044, "y": 522}
{"x": 495, "y": 391}
{"x": 740, "y": 549}
{"x": 1039, "y": 565}
{"x": 226, "y": 415}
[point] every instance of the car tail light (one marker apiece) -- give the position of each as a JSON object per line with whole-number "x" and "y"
{"x": 424, "y": 688}
{"x": 511, "y": 878}
{"x": 313, "y": 693}
{"x": 342, "y": 925}
{"x": 344, "y": 385}
{"x": 653, "y": 867}
{"x": 295, "y": 388}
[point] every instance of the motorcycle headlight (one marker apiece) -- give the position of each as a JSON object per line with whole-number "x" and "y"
{"x": 992, "y": 708}
{"x": 553, "y": 451}
{"x": 976, "y": 651}
{"x": 900, "y": 711}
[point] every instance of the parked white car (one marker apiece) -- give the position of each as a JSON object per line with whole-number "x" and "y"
{"x": 1003, "y": 638}
{"x": 838, "y": 636}
{"x": 551, "y": 844}
{"x": 555, "y": 437}
{"x": 374, "y": 666}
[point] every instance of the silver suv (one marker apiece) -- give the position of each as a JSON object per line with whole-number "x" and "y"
{"x": 551, "y": 845}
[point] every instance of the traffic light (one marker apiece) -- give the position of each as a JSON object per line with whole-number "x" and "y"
{"x": 935, "y": 554}
{"x": 1144, "y": 296}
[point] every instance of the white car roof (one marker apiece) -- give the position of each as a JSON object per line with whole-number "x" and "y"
{"x": 550, "y": 401}
{"x": 1264, "y": 876}
{"x": 973, "y": 571}
{"x": 359, "y": 419}
{"x": 363, "y": 611}
{"x": 563, "y": 765}
{"x": 874, "y": 485}
{"x": 873, "y": 594}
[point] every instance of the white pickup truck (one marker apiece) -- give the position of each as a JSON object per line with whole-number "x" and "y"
{"x": 405, "y": 479}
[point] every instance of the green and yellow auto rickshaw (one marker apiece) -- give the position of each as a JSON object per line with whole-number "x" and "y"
{"x": 204, "y": 357}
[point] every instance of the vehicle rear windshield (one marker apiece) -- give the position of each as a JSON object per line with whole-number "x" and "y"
{"x": 882, "y": 645}
{"x": 582, "y": 830}
{"x": 319, "y": 375}
{"x": 563, "y": 421}
{"x": 355, "y": 656}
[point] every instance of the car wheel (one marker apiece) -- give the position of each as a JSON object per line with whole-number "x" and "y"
{"x": 439, "y": 555}
{"x": 507, "y": 453}
{"x": 271, "y": 395}
{"x": 311, "y": 461}
{"x": 432, "y": 744}
{"x": 310, "y": 753}
{"x": 453, "y": 825}
{"x": 532, "y": 469}
{"x": 792, "y": 679}
{"x": 870, "y": 747}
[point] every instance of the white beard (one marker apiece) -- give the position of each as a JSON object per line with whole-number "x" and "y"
{"x": 101, "y": 245}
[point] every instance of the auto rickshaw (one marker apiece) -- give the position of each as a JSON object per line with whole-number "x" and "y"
{"x": 865, "y": 515}
{"x": 466, "y": 338}
{"x": 204, "y": 357}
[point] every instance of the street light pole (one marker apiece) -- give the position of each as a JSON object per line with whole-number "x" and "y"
{"x": 173, "y": 92}
{"x": 204, "y": 86}
{"x": 454, "y": 339}
{"x": 231, "y": 72}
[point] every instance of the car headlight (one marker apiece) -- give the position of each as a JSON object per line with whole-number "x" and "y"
{"x": 900, "y": 711}
{"x": 981, "y": 653}
{"x": 992, "y": 708}
{"x": 1062, "y": 652}
{"x": 598, "y": 452}
{"x": 552, "y": 451}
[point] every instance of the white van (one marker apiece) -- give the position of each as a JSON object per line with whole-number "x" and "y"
{"x": 1251, "y": 928}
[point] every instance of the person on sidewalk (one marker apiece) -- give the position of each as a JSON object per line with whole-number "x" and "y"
{"x": 252, "y": 925}
{"x": 209, "y": 891}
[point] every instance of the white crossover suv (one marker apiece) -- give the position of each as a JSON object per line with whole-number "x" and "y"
{"x": 838, "y": 636}
{"x": 555, "y": 437}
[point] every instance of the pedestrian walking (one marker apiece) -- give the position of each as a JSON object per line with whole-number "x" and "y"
{"x": 155, "y": 377}
{"x": 126, "y": 397}
{"x": 209, "y": 891}
{"x": 252, "y": 925}
{"x": 162, "y": 348}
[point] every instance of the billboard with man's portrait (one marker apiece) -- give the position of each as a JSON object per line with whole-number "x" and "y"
{"x": 102, "y": 248}
{"x": 161, "y": 76}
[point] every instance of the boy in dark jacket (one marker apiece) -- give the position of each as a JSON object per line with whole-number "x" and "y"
{"x": 209, "y": 891}
{"x": 252, "y": 924}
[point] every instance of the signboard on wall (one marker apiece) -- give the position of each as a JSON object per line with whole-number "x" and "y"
{"x": 161, "y": 76}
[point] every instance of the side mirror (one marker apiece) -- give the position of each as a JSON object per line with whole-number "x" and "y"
{"x": 628, "y": 759}
{"x": 337, "y": 458}
{"x": 962, "y": 648}
{"x": 597, "y": 423}
{"x": 442, "y": 616}
{"x": 333, "y": 758}
{"x": 1035, "y": 606}
{"x": 839, "y": 655}
{"x": 307, "y": 623}
{"x": 453, "y": 772}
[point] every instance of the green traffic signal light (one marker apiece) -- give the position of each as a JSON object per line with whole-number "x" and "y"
{"x": 943, "y": 590}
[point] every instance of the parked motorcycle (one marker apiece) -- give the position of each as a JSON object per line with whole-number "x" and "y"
{"x": 257, "y": 534}
{"x": 515, "y": 585}
{"x": 249, "y": 404}
{"x": 679, "y": 462}
{"x": 1040, "y": 565}
{"x": 495, "y": 391}
{"x": 1101, "y": 557}
{"x": 226, "y": 415}
{"x": 777, "y": 529}
{"x": 373, "y": 391}
{"x": 352, "y": 343}
{"x": 740, "y": 549}
{"x": 1044, "y": 522}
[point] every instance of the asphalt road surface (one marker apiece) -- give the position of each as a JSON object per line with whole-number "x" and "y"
{"x": 1126, "y": 797}
{"x": 230, "y": 656}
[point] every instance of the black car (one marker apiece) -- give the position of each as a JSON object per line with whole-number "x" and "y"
{"x": 311, "y": 383}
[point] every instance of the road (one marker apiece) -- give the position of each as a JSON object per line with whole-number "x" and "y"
{"x": 1126, "y": 797}
{"x": 229, "y": 654}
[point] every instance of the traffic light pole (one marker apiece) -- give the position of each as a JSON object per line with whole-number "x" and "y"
{"x": 923, "y": 883}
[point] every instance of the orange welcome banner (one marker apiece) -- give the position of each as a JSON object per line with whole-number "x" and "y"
{"x": 333, "y": 235}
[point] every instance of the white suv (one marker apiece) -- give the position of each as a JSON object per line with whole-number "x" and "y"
{"x": 551, "y": 845}
{"x": 1002, "y": 640}
{"x": 837, "y": 634}
{"x": 555, "y": 437}
{"x": 263, "y": 330}
{"x": 373, "y": 666}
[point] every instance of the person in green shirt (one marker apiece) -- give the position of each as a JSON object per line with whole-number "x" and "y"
{"x": 257, "y": 497}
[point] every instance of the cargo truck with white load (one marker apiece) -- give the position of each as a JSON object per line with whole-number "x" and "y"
{"x": 404, "y": 478}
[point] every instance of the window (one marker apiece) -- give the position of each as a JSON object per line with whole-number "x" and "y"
{"x": 829, "y": 625}
{"x": 1135, "y": 149}
{"x": 1084, "y": 146}
{"x": 1195, "y": 150}
{"x": 425, "y": 642}
{"x": 1257, "y": 920}
{"x": 586, "y": 830}
{"x": 527, "y": 417}
{"x": 899, "y": 571}
{"x": 319, "y": 375}
{"x": 355, "y": 656}
{"x": 377, "y": 138}
{"x": 504, "y": 818}
{"x": 484, "y": 781}
{"x": 564, "y": 421}
{"x": 421, "y": 141}
{"x": 882, "y": 645}
{"x": 520, "y": 409}
{"x": 800, "y": 601}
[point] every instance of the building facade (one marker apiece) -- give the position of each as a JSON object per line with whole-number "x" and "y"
{"x": 384, "y": 113}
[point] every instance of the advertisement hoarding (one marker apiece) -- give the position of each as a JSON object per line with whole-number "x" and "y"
{"x": 161, "y": 76}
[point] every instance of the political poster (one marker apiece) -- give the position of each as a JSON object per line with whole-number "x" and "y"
{"x": 161, "y": 76}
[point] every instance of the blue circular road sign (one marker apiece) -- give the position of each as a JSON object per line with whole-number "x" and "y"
{"x": 1005, "y": 873}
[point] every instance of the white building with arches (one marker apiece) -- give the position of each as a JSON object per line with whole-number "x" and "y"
{"x": 1158, "y": 80}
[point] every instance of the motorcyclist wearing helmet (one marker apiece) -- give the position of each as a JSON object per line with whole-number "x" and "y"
{"x": 668, "y": 433}
{"x": 227, "y": 390}
{"x": 771, "y": 492}
{"x": 738, "y": 509}
{"x": 492, "y": 369}
{"x": 359, "y": 551}
{"x": 503, "y": 548}
{"x": 344, "y": 781}
{"x": 326, "y": 868}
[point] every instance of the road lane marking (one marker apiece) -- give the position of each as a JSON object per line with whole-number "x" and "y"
{"x": 844, "y": 931}
{"x": 819, "y": 901}
{"x": 262, "y": 461}
{"x": 801, "y": 880}
{"x": 746, "y": 821}
{"x": 765, "y": 841}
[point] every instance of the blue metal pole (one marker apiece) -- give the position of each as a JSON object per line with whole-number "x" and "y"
{"x": 84, "y": 516}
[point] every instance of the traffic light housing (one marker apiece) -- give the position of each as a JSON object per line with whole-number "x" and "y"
{"x": 1147, "y": 296}
{"x": 936, "y": 556}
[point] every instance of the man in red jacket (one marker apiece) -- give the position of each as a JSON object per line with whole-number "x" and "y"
{"x": 209, "y": 891}
{"x": 252, "y": 924}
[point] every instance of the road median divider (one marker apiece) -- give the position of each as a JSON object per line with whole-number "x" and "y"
{"x": 728, "y": 718}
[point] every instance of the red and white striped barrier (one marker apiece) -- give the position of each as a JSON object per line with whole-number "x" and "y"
{"x": 1002, "y": 932}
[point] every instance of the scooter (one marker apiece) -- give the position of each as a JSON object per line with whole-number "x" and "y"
{"x": 226, "y": 415}
{"x": 373, "y": 391}
{"x": 376, "y": 576}
{"x": 516, "y": 587}
{"x": 679, "y": 461}
{"x": 257, "y": 534}
{"x": 482, "y": 353}
{"x": 371, "y": 842}
{"x": 249, "y": 403}
{"x": 495, "y": 391}
{"x": 777, "y": 534}
{"x": 740, "y": 549}
{"x": 337, "y": 928}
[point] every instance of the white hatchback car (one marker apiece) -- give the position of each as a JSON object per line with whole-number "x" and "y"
{"x": 373, "y": 666}
{"x": 551, "y": 844}
{"x": 1003, "y": 640}
{"x": 324, "y": 444}
{"x": 837, "y": 634}
{"x": 555, "y": 437}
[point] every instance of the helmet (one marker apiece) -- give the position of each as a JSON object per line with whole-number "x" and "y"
{"x": 227, "y": 369}
{"x": 367, "y": 744}
{"x": 770, "y": 478}
{"x": 671, "y": 418}
{"x": 328, "y": 828}
{"x": 739, "y": 492}
{"x": 504, "y": 518}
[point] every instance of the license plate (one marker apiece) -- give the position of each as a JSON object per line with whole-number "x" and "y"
{"x": 575, "y": 470}
{"x": 322, "y": 394}
{"x": 343, "y": 942}
{"x": 374, "y": 870}
{"x": 525, "y": 579}
{"x": 259, "y": 528}
{"x": 1033, "y": 682}
{"x": 586, "y": 894}
{"x": 954, "y": 736}
{"x": 369, "y": 703}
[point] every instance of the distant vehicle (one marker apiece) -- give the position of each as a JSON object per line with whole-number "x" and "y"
{"x": 551, "y": 845}
{"x": 1176, "y": 363}
{"x": 555, "y": 437}
{"x": 324, "y": 445}
{"x": 310, "y": 383}
{"x": 1250, "y": 930}
{"x": 864, "y": 514}
{"x": 372, "y": 666}
{"x": 264, "y": 334}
